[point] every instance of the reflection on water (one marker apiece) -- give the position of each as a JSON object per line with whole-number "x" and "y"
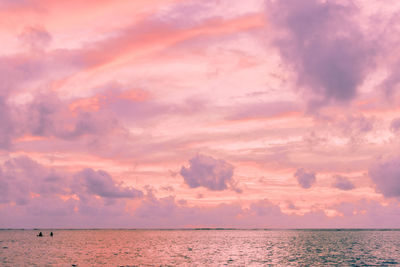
{"x": 199, "y": 248}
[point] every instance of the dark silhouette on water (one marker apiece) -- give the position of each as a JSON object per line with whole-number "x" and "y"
{"x": 51, "y": 233}
{"x": 40, "y": 234}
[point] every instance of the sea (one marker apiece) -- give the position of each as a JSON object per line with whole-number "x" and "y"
{"x": 201, "y": 247}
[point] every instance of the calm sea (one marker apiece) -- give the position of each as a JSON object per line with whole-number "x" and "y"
{"x": 200, "y": 248}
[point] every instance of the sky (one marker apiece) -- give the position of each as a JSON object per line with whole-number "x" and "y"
{"x": 191, "y": 113}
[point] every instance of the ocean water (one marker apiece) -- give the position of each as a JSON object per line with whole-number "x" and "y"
{"x": 200, "y": 248}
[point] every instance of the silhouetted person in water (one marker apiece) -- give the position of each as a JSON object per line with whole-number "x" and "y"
{"x": 51, "y": 233}
{"x": 40, "y": 234}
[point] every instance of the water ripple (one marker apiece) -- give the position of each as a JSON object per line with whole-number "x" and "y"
{"x": 200, "y": 248}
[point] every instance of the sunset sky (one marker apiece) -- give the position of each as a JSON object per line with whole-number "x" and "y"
{"x": 179, "y": 113}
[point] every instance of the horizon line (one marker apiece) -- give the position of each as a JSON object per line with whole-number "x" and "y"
{"x": 213, "y": 228}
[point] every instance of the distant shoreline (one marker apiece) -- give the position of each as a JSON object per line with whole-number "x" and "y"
{"x": 203, "y": 229}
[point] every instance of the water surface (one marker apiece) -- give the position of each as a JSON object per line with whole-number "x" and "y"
{"x": 200, "y": 248}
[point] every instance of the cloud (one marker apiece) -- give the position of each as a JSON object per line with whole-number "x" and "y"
{"x": 263, "y": 110}
{"x": 40, "y": 191}
{"x": 395, "y": 125}
{"x": 151, "y": 207}
{"x": 386, "y": 176}
{"x": 214, "y": 174}
{"x": 21, "y": 177}
{"x": 323, "y": 44}
{"x": 391, "y": 84}
{"x": 7, "y": 128}
{"x": 265, "y": 208}
{"x": 48, "y": 115}
{"x": 36, "y": 38}
{"x": 4, "y": 189}
{"x": 342, "y": 183}
{"x": 168, "y": 213}
{"x": 25, "y": 72}
{"x": 101, "y": 184}
{"x": 18, "y": 70}
{"x": 355, "y": 127}
{"x": 42, "y": 115}
{"x": 358, "y": 125}
{"x": 59, "y": 104}
{"x": 304, "y": 178}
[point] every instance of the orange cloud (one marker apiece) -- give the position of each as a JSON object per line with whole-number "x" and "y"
{"x": 86, "y": 104}
{"x": 94, "y": 103}
{"x": 136, "y": 95}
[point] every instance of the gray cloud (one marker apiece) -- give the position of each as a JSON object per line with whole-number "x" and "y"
{"x": 7, "y": 128}
{"x": 214, "y": 174}
{"x": 304, "y": 178}
{"x": 101, "y": 184}
{"x": 323, "y": 44}
{"x": 386, "y": 176}
{"x": 342, "y": 183}
{"x": 42, "y": 117}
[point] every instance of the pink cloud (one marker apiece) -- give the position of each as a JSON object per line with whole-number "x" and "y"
{"x": 168, "y": 213}
{"x": 108, "y": 107}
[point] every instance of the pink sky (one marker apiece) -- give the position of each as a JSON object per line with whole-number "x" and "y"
{"x": 172, "y": 113}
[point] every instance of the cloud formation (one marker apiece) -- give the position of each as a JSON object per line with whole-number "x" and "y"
{"x": 323, "y": 44}
{"x": 46, "y": 191}
{"x": 386, "y": 176}
{"x": 101, "y": 184}
{"x": 214, "y": 174}
{"x": 7, "y": 130}
{"x": 342, "y": 183}
{"x": 97, "y": 106}
{"x": 304, "y": 178}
